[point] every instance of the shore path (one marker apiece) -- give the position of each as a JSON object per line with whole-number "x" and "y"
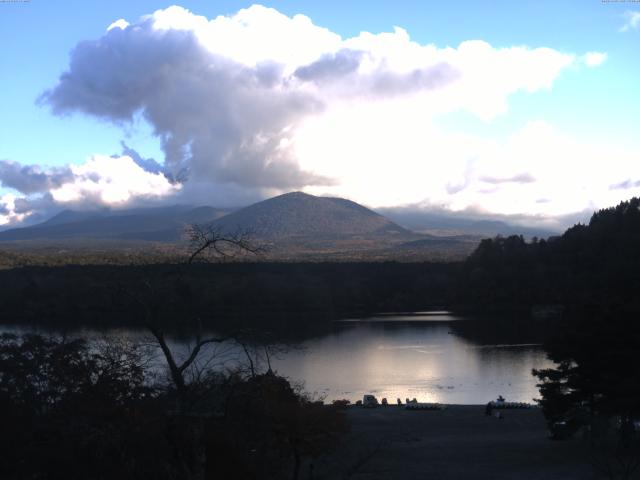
{"x": 460, "y": 442}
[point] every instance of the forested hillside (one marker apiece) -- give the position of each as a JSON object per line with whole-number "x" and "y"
{"x": 590, "y": 263}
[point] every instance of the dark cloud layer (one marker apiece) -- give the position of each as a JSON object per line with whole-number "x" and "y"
{"x": 520, "y": 178}
{"x": 147, "y": 164}
{"x": 627, "y": 184}
{"x": 30, "y": 179}
{"x": 341, "y": 69}
{"x": 331, "y": 66}
{"x": 418, "y": 218}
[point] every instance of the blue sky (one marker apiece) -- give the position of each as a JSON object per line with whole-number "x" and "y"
{"x": 601, "y": 104}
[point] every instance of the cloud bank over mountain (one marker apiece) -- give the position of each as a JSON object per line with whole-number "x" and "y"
{"x": 258, "y": 103}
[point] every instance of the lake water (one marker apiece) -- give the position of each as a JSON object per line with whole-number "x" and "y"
{"x": 432, "y": 356}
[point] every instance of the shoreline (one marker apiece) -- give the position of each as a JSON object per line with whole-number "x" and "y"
{"x": 471, "y": 405}
{"x": 457, "y": 442}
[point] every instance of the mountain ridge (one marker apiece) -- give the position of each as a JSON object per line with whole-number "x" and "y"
{"x": 292, "y": 225}
{"x": 159, "y": 224}
{"x": 298, "y": 214}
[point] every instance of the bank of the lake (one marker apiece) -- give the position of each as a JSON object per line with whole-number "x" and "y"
{"x": 459, "y": 442}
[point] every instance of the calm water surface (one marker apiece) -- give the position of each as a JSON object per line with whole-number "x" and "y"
{"x": 429, "y": 355}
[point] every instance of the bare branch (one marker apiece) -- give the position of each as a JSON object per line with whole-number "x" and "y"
{"x": 204, "y": 239}
{"x": 196, "y": 350}
{"x": 208, "y": 239}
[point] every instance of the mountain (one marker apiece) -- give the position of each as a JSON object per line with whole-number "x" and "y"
{"x": 299, "y": 215}
{"x": 290, "y": 217}
{"x": 298, "y": 225}
{"x": 157, "y": 224}
{"x": 291, "y": 226}
{"x": 451, "y": 223}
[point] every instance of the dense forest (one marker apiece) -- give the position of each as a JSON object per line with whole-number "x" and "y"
{"x": 283, "y": 295}
{"x": 594, "y": 263}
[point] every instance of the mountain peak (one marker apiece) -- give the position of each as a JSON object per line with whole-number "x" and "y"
{"x": 299, "y": 214}
{"x": 296, "y": 194}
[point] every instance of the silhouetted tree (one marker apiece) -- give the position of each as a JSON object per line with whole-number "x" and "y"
{"x": 596, "y": 384}
{"x": 72, "y": 411}
{"x": 204, "y": 241}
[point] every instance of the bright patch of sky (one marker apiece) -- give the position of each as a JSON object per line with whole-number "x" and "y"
{"x": 521, "y": 108}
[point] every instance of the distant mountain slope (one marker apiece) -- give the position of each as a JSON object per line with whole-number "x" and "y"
{"x": 159, "y": 224}
{"x": 290, "y": 226}
{"x": 298, "y": 214}
{"x": 457, "y": 224}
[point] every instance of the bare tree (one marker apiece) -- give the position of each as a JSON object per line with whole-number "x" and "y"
{"x": 204, "y": 240}
{"x": 259, "y": 348}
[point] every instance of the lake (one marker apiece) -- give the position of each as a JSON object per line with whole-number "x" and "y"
{"x": 432, "y": 356}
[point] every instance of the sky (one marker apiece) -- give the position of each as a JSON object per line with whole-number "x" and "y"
{"x": 523, "y": 110}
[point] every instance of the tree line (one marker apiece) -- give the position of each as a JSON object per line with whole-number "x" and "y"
{"x": 597, "y": 262}
{"x": 592, "y": 272}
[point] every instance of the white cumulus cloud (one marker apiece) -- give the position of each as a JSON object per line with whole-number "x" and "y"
{"x": 111, "y": 181}
{"x": 258, "y": 103}
{"x": 631, "y": 20}
{"x": 391, "y": 166}
{"x": 8, "y": 213}
{"x": 594, "y": 59}
{"x": 116, "y": 181}
{"x": 121, "y": 24}
{"x": 227, "y": 96}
